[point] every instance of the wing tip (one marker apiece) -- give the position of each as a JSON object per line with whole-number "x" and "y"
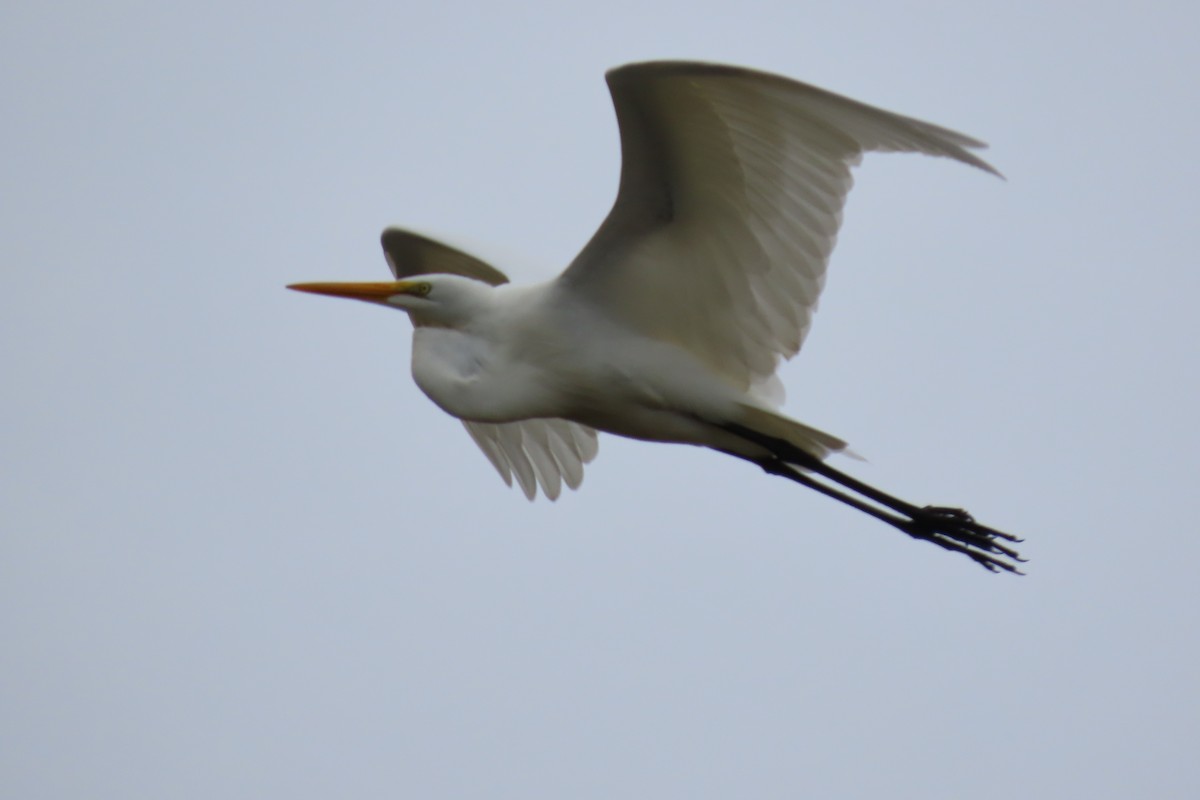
{"x": 409, "y": 253}
{"x": 954, "y": 144}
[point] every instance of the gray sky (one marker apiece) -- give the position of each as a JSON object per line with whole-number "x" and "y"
{"x": 242, "y": 556}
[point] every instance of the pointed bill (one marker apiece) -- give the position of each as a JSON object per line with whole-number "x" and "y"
{"x": 375, "y": 292}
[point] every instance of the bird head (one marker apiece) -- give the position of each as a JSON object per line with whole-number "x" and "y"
{"x": 447, "y": 300}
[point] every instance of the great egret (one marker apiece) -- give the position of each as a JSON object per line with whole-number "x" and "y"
{"x": 670, "y": 324}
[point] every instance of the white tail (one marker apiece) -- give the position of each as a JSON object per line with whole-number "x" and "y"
{"x": 776, "y": 426}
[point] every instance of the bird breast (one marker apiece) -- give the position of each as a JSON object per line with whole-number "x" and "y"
{"x": 470, "y": 377}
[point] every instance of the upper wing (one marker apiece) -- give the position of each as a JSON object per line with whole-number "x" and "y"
{"x": 549, "y": 452}
{"x": 409, "y": 254}
{"x": 731, "y": 194}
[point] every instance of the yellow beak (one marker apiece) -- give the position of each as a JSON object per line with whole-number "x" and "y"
{"x": 377, "y": 292}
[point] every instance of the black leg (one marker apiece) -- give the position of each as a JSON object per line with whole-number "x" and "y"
{"x": 950, "y": 528}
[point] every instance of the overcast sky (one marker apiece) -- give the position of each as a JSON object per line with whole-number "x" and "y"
{"x": 242, "y": 556}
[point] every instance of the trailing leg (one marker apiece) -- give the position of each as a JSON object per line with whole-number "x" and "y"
{"x": 950, "y": 528}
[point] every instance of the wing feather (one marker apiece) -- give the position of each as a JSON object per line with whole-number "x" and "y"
{"x": 489, "y": 443}
{"x": 409, "y": 254}
{"x": 510, "y": 437}
{"x": 538, "y": 452}
{"x": 731, "y": 195}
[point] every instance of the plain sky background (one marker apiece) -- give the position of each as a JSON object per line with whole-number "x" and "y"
{"x": 242, "y": 556}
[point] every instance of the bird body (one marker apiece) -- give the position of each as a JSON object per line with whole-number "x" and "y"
{"x": 539, "y": 351}
{"x": 671, "y": 322}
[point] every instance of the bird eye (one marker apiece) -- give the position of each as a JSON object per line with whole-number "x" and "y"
{"x": 422, "y": 289}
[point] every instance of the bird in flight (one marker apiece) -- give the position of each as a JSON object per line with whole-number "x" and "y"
{"x": 671, "y": 322}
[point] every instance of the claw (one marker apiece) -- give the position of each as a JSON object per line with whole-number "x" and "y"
{"x": 955, "y": 530}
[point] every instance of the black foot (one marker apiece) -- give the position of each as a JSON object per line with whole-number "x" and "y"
{"x": 957, "y": 531}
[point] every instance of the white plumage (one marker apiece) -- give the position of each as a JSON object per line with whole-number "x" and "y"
{"x": 671, "y": 322}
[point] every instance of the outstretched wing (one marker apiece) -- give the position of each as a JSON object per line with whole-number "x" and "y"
{"x": 409, "y": 254}
{"x": 731, "y": 195}
{"x": 546, "y": 452}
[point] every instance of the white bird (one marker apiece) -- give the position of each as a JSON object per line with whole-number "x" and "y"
{"x": 671, "y": 322}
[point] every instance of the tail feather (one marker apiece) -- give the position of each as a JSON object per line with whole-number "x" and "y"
{"x": 771, "y": 426}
